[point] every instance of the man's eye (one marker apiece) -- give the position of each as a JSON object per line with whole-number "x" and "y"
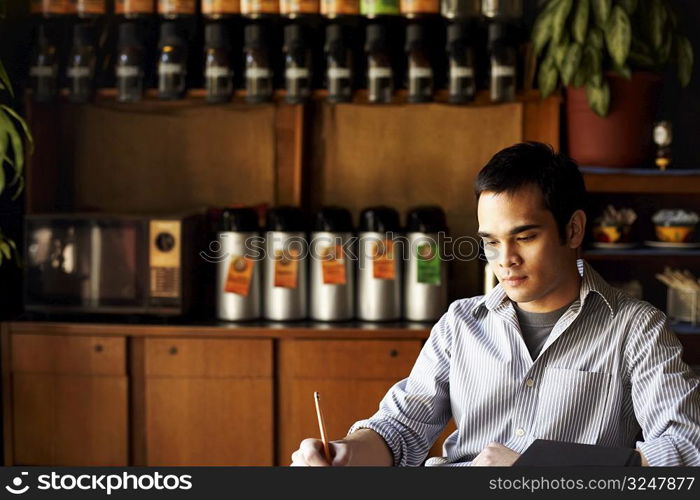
{"x": 527, "y": 238}
{"x": 491, "y": 243}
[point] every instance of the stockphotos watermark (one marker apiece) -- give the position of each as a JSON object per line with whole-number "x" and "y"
{"x": 354, "y": 248}
{"x": 107, "y": 483}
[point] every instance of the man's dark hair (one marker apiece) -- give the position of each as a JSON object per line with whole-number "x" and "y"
{"x": 557, "y": 176}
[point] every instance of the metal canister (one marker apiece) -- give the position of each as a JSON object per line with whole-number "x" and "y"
{"x": 425, "y": 284}
{"x": 511, "y": 9}
{"x": 460, "y": 9}
{"x": 238, "y": 273}
{"x": 332, "y": 278}
{"x": 379, "y": 265}
{"x": 286, "y": 258}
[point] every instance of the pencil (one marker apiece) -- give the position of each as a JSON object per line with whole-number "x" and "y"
{"x": 322, "y": 426}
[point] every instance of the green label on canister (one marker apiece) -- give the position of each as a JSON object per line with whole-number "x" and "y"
{"x": 380, "y": 7}
{"x": 429, "y": 264}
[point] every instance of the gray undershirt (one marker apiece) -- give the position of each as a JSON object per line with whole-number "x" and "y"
{"x": 536, "y": 327}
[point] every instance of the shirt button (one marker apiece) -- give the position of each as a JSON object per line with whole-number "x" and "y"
{"x": 529, "y": 382}
{"x": 520, "y": 433}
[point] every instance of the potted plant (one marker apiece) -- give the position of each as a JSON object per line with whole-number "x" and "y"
{"x": 609, "y": 54}
{"x": 15, "y": 141}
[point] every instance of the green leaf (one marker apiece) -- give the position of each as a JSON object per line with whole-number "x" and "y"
{"x": 580, "y": 25}
{"x": 571, "y": 63}
{"x": 559, "y": 19}
{"x": 630, "y": 6}
{"x": 598, "y": 98}
{"x": 541, "y": 31}
{"x": 23, "y": 124}
{"x": 601, "y": 11}
{"x": 684, "y": 57}
{"x": 547, "y": 77}
{"x": 2, "y": 176}
{"x": 15, "y": 140}
{"x": 560, "y": 54}
{"x": 594, "y": 60}
{"x": 655, "y": 16}
{"x": 5, "y": 80}
{"x": 595, "y": 37}
{"x": 18, "y": 189}
{"x": 623, "y": 71}
{"x": 665, "y": 49}
{"x": 5, "y": 248}
{"x": 619, "y": 35}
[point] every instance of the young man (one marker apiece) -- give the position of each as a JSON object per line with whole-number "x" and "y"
{"x": 552, "y": 352}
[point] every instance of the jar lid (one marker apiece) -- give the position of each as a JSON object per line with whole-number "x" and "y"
{"x": 286, "y": 219}
{"x": 379, "y": 219}
{"x": 239, "y": 220}
{"x": 426, "y": 219}
{"x": 333, "y": 220}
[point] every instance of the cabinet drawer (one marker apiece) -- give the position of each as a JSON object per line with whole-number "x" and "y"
{"x": 365, "y": 359}
{"x": 65, "y": 354}
{"x": 208, "y": 358}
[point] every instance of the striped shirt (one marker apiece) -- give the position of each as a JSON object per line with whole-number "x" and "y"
{"x": 610, "y": 367}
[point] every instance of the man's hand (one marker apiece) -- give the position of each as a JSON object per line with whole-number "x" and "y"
{"x": 495, "y": 455}
{"x": 310, "y": 453}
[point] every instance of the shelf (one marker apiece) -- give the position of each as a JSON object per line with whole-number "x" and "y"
{"x": 641, "y": 180}
{"x": 259, "y": 329}
{"x": 640, "y": 253}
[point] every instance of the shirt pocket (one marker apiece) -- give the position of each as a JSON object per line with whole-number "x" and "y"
{"x": 571, "y": 405}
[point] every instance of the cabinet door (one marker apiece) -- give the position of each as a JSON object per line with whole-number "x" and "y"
{"x": 352, "y": 377}
{"x": 69, "y": 400}
{"x": 207, "y": 402}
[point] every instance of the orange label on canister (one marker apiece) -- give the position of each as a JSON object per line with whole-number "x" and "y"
{"x": 240, "y": 273}
{"x": 49, "y": 7}
{"x": 288, "y": 7}
{"x": 330, "y": 8}
{"x": 177, "y": 7}
{"x": 333, "y": 265}
{"x": 286, "y": 268}
{"x": 420, "y": 6}
{"x": 220, "y": 7}
{"x": 130, "y": 7}
{"x": 95, "y": 7}
{"x": 384, "y": 265}
{"x": 256, "y": 7}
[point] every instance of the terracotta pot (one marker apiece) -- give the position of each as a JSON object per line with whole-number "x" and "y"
{"x": 624, "y": 137}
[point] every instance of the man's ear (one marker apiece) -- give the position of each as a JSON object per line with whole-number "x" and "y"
{"x": 576, "y": 229}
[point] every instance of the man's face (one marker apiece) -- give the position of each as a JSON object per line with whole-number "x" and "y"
{"x": 523, "y": 246}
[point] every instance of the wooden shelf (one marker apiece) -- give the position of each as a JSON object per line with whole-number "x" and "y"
{"x": 639, "y": 253}
{"x": 269, "y": 330}
{"x": 642, "y": 181}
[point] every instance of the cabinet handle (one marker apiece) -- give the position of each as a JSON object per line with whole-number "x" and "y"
{"x": 99, "y": 348}
{"x": 393, "y": 353}
{"x": 173, "y": 350}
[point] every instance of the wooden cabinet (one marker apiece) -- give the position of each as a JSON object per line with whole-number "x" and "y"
{"x": 203, "y": 401}
{"x": 69, "y": 402}
{"x": 351, "y": 375}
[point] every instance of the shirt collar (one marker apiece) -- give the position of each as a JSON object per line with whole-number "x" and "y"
{"x": 591, "y": 282}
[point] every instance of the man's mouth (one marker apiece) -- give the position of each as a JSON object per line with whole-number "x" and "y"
{"x": 514, "y": 280}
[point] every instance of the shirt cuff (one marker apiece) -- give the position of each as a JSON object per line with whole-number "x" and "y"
{"x": 660, "y": 452}
{"x": 390, "y": 435}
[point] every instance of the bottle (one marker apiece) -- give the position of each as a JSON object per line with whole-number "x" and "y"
{"x": 503, "y": 62}
{"x": 380, "y": 77}
{"x": 258, "y": 71}
{"x": 425, "y": 276}
{"x": 218, "y": 75}
{"x": 297, "y": 67}
{"x": 81, "y": 65}
{"x": 239, "y": 273}
{"x": 172, "y": 62}
{"x": 332, "y": 279}
{"x": 90, "y": 8}
{"x": 286, "y": 264}
{"x": 338, "y": 65}
{"x": 130, "y": 63}
{"x": 420, "y": 70}
{"x": 133, "y": 8}
{"x": 461, "y": 80}
{"x": 379, "y": 274}
{"x": 460, "y": 9}
{"x": 44, "y": 68}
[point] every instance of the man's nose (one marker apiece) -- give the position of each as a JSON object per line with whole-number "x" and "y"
{"x": 508, "y": 255}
